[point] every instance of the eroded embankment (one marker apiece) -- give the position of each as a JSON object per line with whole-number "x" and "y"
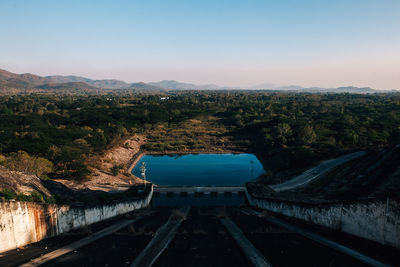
{"x": 374, "y": 220}
{"x": 22, "y": 223}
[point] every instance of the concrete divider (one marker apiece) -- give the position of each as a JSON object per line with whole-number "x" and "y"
{"x": 376, "y": 220}
{"x": 22, "y": 223}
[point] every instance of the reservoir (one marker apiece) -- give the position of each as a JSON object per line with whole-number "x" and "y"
{"x": 200, "y": 169}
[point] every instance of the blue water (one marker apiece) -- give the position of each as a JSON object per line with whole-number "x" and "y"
{"x": 200, "y": 169}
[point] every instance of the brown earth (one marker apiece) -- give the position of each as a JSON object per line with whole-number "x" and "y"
{"x": 21, "y": 182}
{"x": 101, "y": 178}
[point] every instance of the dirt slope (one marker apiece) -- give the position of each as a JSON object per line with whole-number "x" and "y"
{"x": 100, "y": 165}
{"x": 21, "y": 182}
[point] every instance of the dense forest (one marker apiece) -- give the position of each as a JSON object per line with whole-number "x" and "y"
{"x": 59, "y": 132}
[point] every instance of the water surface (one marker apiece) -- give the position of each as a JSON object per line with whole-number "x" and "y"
{"x": 200, "y": 169}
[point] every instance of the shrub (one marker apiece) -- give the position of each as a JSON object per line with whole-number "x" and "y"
{"x": 23, "y": 197}
{"x": 50, "y": 200}
{"x": 36, "y": 197}
{"x": 115, "y": 169}
{"x": 7, "y": 194}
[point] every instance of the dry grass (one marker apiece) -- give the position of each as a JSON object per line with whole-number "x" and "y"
{"x": 200, "y": 134}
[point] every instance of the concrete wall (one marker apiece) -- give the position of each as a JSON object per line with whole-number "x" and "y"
{"x": 22, "y": 223}
{"x": 375, "y": 220}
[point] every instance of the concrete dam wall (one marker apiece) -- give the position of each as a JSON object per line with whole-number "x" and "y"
{"x": 375, "y": 220}
{"x": 22, "y": 223}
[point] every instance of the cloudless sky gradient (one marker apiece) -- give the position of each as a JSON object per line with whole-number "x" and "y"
{"x": 325, "y": 43}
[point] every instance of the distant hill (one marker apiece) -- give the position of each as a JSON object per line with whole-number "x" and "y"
{"x": 348, "y": 89}
{"x": 297, "y": 88}
{"x": 271, "y": 86}
{"x": 175, "y": 85}
{"x": 69, "y": 86}
{"x": 14, "y": 83}
{"x": 109, "y": 84}
{"x": 144, "y": 87}
{"x": 21, "y": 78}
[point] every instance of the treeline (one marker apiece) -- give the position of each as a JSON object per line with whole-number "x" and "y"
{"x": 65, "y": 129}
{"x": 301, "y": 128}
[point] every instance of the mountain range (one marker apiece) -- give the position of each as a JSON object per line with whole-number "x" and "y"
{"x": 14, "y": 83}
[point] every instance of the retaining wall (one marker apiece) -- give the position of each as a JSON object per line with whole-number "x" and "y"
{"x": 374, "y": 220}
{"x": 22, "y": 223}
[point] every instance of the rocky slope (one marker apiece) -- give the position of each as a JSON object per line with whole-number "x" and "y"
{"x": 102, "y": 178}
{"x": 21, "y": 182}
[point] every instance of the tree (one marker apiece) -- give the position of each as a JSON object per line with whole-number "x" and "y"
{"x": 306, "y": 135}
{"x": 22, "y": 161}
{"x": 283, "y": 132}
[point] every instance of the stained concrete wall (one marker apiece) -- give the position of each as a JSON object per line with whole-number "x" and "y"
{"x": 22, "y": 223}
{"x": 374, "y": 220}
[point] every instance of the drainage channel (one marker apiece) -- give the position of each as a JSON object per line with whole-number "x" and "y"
{"x": 202, "y": 240}
{"x": 119, "y": 248}
{"x": 161, "y": 239}
{"x": 252, "y": 253}
{"x": 205, "y": 236}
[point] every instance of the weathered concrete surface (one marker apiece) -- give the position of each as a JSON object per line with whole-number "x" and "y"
{"x": 198, "y": 189}
{"x": 160, "y": 241}
{"x": 77, "y": 244}
{"x": 375, "y": 220}
{"x": 251, "y": 252}
{"x": 22, "y": 223}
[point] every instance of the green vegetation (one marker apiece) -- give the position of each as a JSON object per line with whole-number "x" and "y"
{"x": 116, "y": 168}
{"x": 59, "y": 132}
{"x": 8, "y": 194}
{"x": 22, "y": 161}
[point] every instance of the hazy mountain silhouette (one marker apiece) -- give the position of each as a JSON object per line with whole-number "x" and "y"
{"x": 12, "y": 82}
{"x": 111, "y": 83}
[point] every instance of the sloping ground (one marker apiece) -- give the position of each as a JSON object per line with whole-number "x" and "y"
{"x": 90, "y": 191}
{"x": 374, "y": 175}
{"x": 123, "y": 153}
{"x": 101, "y": 177}
{"x": 21, "y": 182}
{"x": 314, "y": 173}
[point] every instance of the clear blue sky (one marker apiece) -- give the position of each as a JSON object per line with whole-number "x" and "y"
{"x": 305, "y": 42}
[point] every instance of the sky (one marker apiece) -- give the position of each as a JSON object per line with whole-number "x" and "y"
{"x": 326, "y": 43}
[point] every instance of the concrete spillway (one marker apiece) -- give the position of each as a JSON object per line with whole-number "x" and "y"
{"x": 199, "y": 189}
